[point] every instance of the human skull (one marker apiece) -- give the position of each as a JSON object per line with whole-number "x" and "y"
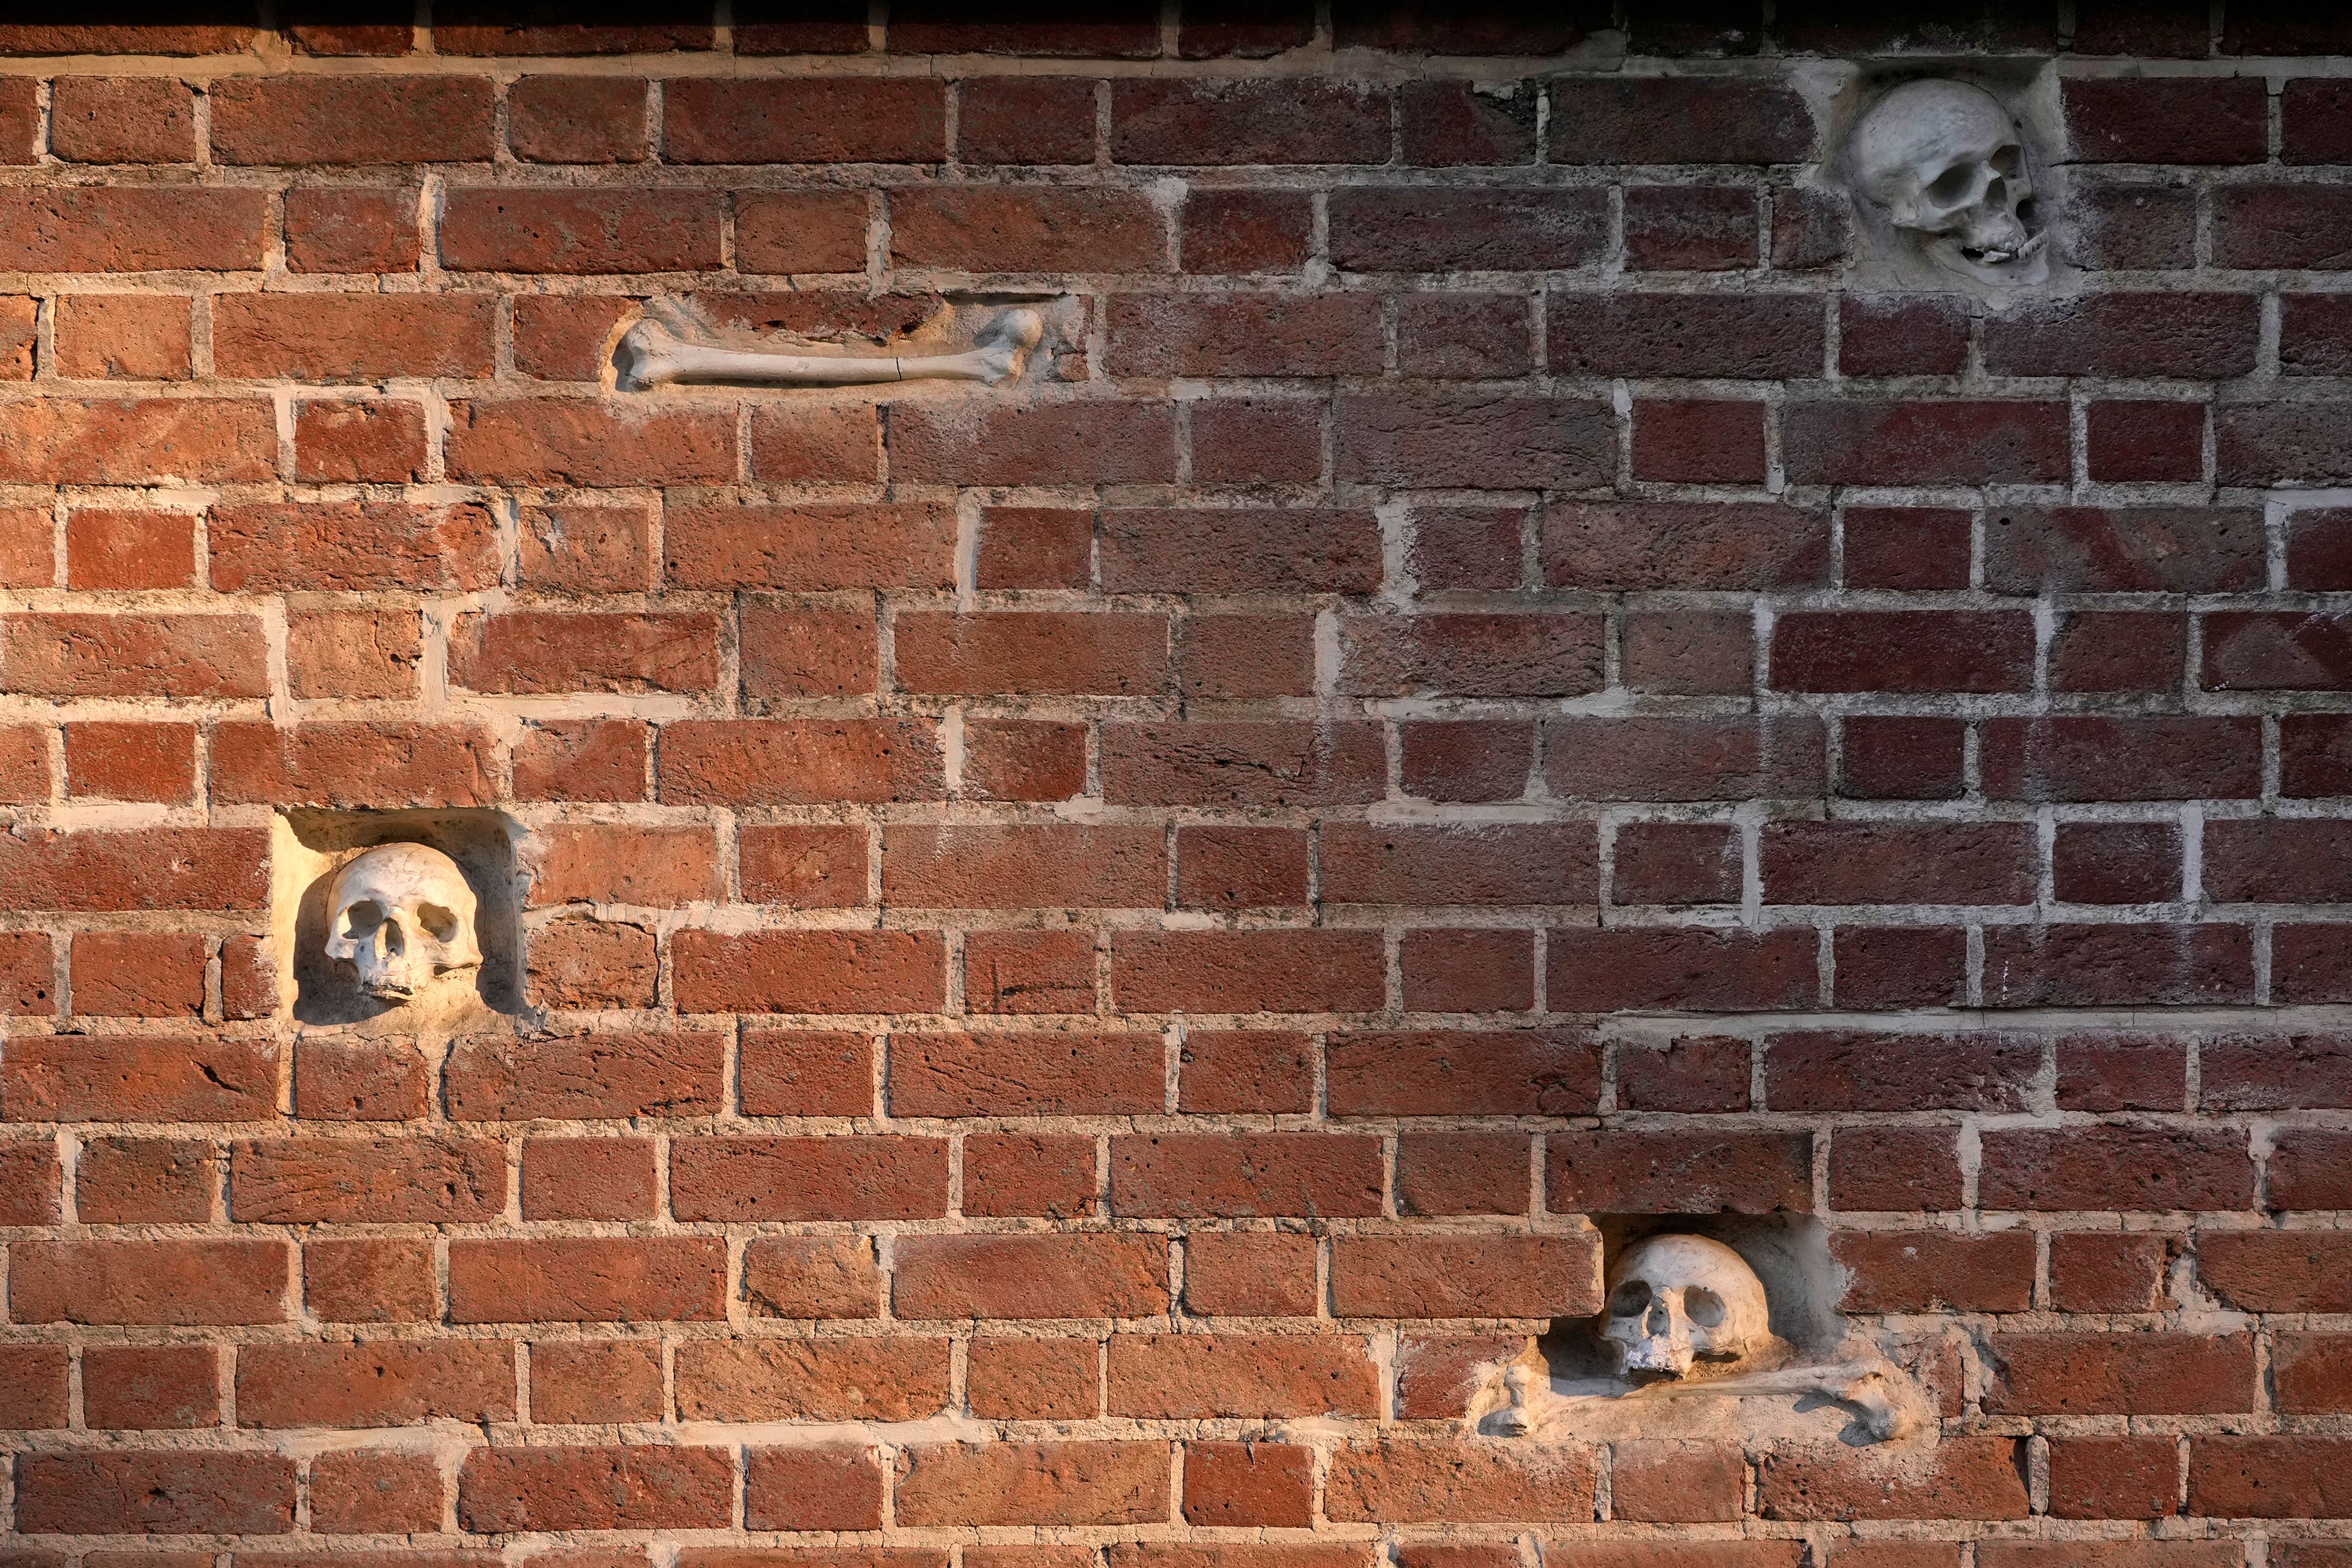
{"x": 1944, "y": 162}
{"x": 402, "y": 915}
{"x": 1675, "y": 1300}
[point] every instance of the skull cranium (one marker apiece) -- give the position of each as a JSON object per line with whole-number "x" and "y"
{"x": 402, "y": 915}
{"x": 1674, "y": 1300}
{"x": 1944, "y": 162}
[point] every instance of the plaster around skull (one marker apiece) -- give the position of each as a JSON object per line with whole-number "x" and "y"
{"x": 1945, "y": 170}
{"x": 402, "y": 916}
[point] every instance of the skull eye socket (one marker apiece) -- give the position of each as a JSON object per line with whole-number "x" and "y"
{"x": 1953, "y": 183}
{"x": 1704, "y": 1307}
{"x": 1631, "y": 1300}
{"x": 2005, "y": 163}
{"x": 362, "y": 918}
{"x": 440, "y": 922}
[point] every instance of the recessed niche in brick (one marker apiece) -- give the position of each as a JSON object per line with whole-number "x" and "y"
{"x": 310, "y": 847}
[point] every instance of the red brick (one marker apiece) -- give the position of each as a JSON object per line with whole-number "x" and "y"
{"x": 1240, "y": 868}
{"x": 136, "y": 1181}
{"x": 1090, "y": 442}
{"x": 1245, "y": 1069}
{"x": 1198, "y": 1377}
{"x": 1036, "y": 547}
{"x": 1690, "y": 1072}
{"x": 808, "y": 971}
{"x": 1076, "y": 1275}
{"x": 174, "y": 1492}
{"x": 2116, "y": 1168}
{"x": 1690, "y": 228}
{"x": 1744, "y": 1173}
{"x": 1897, "y": 863}
{"x": 1517, "y": 1072}
{"x": 139, "y": 1077}
{"x": 2274, "y": 1072}
{"x": 1253, "y": 1274}
{"x": 2085, "y": 758}
{"x": 568, "y": 441}
{"x": 2121, "y": 651}
{"x": 1698, "y": 442}
{"x": 382, "y": 1383}
{"x": 1245, "y": 231}
{"x": 1029, "y": 1174}
{"x": 27, "y": 534}
{"x": 365, "y": 1492}
{"x": 1901, "y": 335}
{"x": 1239, "y": 549}
{"x": 321, "y": 337}
{"x": 1903, "y": 759}
{"x": 339, "y": 229}
{"x": 2091, "y": 1374}
{"x": 1465, "y": 1276}
{"x": 588, "y": 1178}
{"x": 1920, "y": 1271}
{"x": 1459, "y": 1480}
{"x": 120, "y": 760}
{"x": 1424, "y": 866}
{"x": 20, "y": 119}
{"x": 2253, "y": 650}
{"x": 1032, "y": 1483}
{"x": 1468, "y": 760}
{"x": 1189, "y": 1175}
{"x": 370, "y": 1280}
{"x": 819, "y": 119}
{"x": 354, "y": 1081}
{"x": 134, "y": 868}
{"x": 2120, "y": 1071}
{"x": 813, "y": 1488}
{"x": 137, "y": 337}
{"x": 1691, "y": 969}
{"x": 1243, "y": 764}
{"x": 1470, "y": 655}
{"x": 543, "y": 651}
{"x": 2115, "y": 1478}
{"x": 359, "y": 441}
{"x": 580, "y": 760}
{"x": 1247, "y": 971}
{"x": 1025, "y": 119}
{"x": 1676, "y": 1481}
{"x": 1245, "y": 334}
{"x": 580, "y": 231}
{"x": 1676, "y": 544}
{"x": 2073, "y": 965}
{"x": 1247, "y": 1484}
{"x": 809, "y": 548}
{"x": 2276, "y": 1270}
{"x": 2268, "y": 1478}
{"x": 2107, "y": 1272}
{"x": 827, "y": 1379}
{"x": 2175, "y": 120}
{"x": 30, "y": 1181}
{"x": 834, "y": 1177}
{"x": 350, "y": 120}
{"x": 1251, "y": 36}
{"x": 2123, "y": 549}
{"x": 1029, "y": 972}
{"x": 562, "y": 337}
{"x": 577, "y": 120}
{"x": 485, "y": 30}
{"x": 592, "y": 1382}
{"x": 296, "y": 1181}
{"x": 1716, "y": 335}
{"x": 131, "y": 228}
{"x": 1468, "y": 971}
{"x": 1970, "y": 1477}
{"x": 2147, "y": 441}
{"x": 1902, "y": 650}
{"x": 1667, "y": 120}
{"x": 641, "y": 1487}
{"x": 798, "y": 761}
{"x": 352, "y": 762}
{"x": 139, "y": 975}
{"x": 351, "y": 546}
{"x": 101, "y": 441}
{"x": 1027, "y": 229}
{"x": 1895, "y": 1168}
{"x": 585, "y": 1279}
{"x": 803, "y": 868}
{"x": 181, "y": 1283}
{"x": 1462, "y": 1173}
{"x": 2309, "y": 1169}
{"x": 1678, "y": 759}
{"x": 149, "y": 1387}
{"x": 1230, "y": 121}
{"x": 584, "y": 1075}
{"x": 1025, "y": 1074}
{"x": 1471, "y": 438}
{"x": 1854, "y": 1070}
{"x": 812, "y": 1276}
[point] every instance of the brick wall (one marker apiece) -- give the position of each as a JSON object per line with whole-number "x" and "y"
{"x": 1095, "y": 947}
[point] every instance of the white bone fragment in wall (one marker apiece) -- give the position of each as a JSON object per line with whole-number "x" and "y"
{"x": 650, "y": 354}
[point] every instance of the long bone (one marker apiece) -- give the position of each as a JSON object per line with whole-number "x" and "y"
{"x": 653, "y": 356}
